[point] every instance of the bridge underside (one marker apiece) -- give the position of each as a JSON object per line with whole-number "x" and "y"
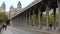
{"x": 28, "y": 17}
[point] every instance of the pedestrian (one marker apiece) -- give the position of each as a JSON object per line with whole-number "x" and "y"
{"x": 4, "y": 26}
{"x": 50, "y": 26}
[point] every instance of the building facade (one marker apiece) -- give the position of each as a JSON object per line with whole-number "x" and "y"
{"x": 3, "y": 7}
{"x": 13, "y": 11}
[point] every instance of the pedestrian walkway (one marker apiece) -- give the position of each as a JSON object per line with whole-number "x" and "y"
{"x": 13, "y": 30}
{"x": 7, "y": 31}
{"x": 44, "y": 30}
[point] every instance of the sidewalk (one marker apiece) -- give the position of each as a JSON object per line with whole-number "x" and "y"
{"x": 7, "y": 31}
{"x": 47, "y": 31}
{"x": 43, "y": 30}
{"x": 12, "y": 30}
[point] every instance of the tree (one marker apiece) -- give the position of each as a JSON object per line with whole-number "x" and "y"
{"x": 3, "y": 17}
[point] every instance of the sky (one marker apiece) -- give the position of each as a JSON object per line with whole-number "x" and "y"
{"x": 14, "y": 3}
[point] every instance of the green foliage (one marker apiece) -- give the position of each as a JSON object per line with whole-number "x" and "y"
{"x": 35, "y": 19}
{"x": 44, "y": 19}
{"x": 3, "y": 16}
{"x": 51, "y": 19}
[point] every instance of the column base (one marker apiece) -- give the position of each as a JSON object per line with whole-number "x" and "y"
{"x": 59, "y": 30}
{"x": 54, "y": 28}
{"x": 47, "y": 29}
{"x": 39, "y": 27}
{"x": 34, "y": 27}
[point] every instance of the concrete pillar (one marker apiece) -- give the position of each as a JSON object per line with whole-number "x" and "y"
{"x": 33, "y": 19}
{"x": 41, "y": 20}
{"x": 29, "y": 20}
{"x": 58, "y": 3}
{"x": 15, "y": 22}
{"x": 11, "y": 22}
{"x": 26, "y": 19}
{"x": 54, "y": 18}
{"x": 20, "y": 21}
{"x": 39, "y": 12}
{"x": 23, "y": 19}
{"x": 47, "y": 16}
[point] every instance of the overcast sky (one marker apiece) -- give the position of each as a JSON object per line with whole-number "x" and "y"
{"x": 14, "y": 3}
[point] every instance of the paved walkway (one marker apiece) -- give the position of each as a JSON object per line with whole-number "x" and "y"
{"x": 7, "y": 31}
{"x": 44, "y": 30}
{"x": 12, "y": 30}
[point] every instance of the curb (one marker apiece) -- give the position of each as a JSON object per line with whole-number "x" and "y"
{"x": 47, "y": 32}
{"x": 36, "y": 30}
{"x": 41, "y": 31}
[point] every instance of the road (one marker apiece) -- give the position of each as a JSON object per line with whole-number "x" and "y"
{"x": 12, "y": 30}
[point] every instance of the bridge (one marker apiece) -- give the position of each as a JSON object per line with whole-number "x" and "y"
{"x": 23, "y": 19}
